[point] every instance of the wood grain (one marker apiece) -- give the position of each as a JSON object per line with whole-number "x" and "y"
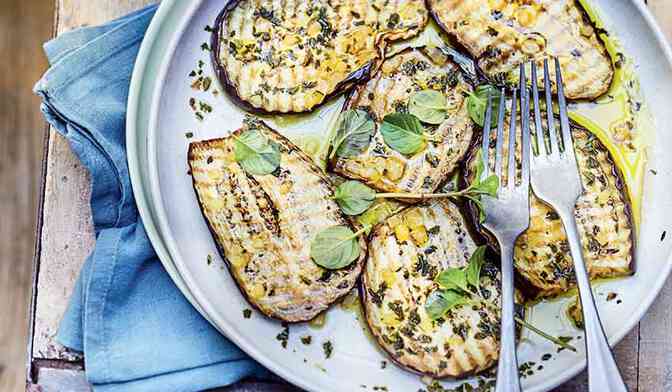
{"x": 24, "y": 25}
{"x": 655, "y": 340}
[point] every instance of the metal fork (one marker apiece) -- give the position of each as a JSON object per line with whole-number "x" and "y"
{"x": 556, "y": 180}
{"x": 507, "y": 217}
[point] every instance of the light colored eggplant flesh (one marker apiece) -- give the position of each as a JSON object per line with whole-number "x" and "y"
{"x": 603, "y": 216}
{"x": 389, "y": 91}
{"x": 288, "y": 56}
{"x": 263, "y": 226}
{"x": 398, "y": 277}
{"x": 502, "y": 34}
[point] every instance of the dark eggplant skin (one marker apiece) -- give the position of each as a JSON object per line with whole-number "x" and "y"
{"x": 361, "y": 75}
{"x": 291, "y": 148}
{"x": 483, "y": 78}
{"x": 344, "y": 86}
{"x": 529, "y": 290}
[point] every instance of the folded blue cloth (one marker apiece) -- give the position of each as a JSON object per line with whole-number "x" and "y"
{"x": 137, "y": 331}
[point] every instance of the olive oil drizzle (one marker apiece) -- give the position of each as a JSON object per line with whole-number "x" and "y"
{"x": 620, "y": 119}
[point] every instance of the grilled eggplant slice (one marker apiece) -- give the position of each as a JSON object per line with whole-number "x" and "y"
{"x": 388, "y": 92}
{"x": 603, "y": 216}
{"x": 398, "y": 278}
{"x": 503, "y": 34}
{"x": 281, "y": 56}
{"x": 263, "y": 226}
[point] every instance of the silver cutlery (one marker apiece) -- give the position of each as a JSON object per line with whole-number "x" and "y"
{"x": 506, "y": 217}
{"x": 555, "y": 179}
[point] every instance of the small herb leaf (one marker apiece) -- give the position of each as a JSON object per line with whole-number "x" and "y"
{"x": 439, "y": 302}
{"x": 403, "y": 133}
{"x": 453, "y": 279}
{"x": 477, "y": 104}
{"x": 335, "y": 247}
{"x": 474, "y": 268}
{"x": 354, "y": 133}
{"x": 354, "y": 197}
{"x": 255, "y": 153}
{"x": 489, "y": 186}
{"x": 429, "y": 106}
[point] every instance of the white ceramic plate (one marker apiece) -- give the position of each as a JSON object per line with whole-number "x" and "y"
{"x": 159, "y": 116}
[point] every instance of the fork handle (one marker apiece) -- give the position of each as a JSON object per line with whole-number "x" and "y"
{"x": 603, "y": 374}
{"x": 507, "y": 368}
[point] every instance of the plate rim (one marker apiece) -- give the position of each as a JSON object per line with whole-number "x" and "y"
{"x": 149, "y": 215}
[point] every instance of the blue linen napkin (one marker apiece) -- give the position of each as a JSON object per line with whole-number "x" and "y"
{"x": 137, "y": 331}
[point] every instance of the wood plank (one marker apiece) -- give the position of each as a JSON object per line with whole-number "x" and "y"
{"x": 67, "y": 232}
{"x": 24, "y": 25}
{"x": 655, "y": 346}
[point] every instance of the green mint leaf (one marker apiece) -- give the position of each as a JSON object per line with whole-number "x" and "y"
{"x": 354, "y": 133}
{"x": 429, "y": 106}
{"x": 403, "y": 133}
{"x": 489, "y": 186}
{"x": 335, "y": 247}
{"x": 477, "y": 104}
{"x": 354, "y": 197}
{"x": 255, "y": 153}
{"x": 453, "y": 279}
{"x": 441, "y": 301}
{"x": 473, "y": 271}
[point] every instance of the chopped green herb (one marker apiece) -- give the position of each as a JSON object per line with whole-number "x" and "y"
{"x": 247, "y": 313}
{"x": 283, "y": 336}
{"x": 328, "y": 349}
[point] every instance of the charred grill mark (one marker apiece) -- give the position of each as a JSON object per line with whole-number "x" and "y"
{"x": 267, "y": 209}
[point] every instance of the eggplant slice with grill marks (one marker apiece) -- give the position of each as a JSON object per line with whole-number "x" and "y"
{"x": 406, "y": 252}
{"x": 500, "y": 35}
{"x": 282, "y": 56}
{"x": 603, "y": 216}
{"x": 263, "y": 226}
{"x": 389, "y": 91}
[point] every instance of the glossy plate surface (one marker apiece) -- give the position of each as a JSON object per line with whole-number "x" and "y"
{"x": 160, "y": 115}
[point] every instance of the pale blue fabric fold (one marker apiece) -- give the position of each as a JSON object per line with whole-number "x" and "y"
{"x": 137, "y": 331}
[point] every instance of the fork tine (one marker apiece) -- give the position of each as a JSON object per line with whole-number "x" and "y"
{"x": 511, "y": 179}
{"x": 567, "y": 142}
{"x": 553, "y": 137}
{"x": 485, "y": 148}
{"x": 500, "y": 133}
{"x": 525, "y": 129}
{"x": 541, "y": 143}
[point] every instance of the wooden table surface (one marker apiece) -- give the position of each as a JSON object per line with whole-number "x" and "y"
{"x": 65, "y": 238}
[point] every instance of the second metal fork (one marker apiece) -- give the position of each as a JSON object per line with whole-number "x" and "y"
{"x": 556, "y": 180}
{"x": 507, "y": 217}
